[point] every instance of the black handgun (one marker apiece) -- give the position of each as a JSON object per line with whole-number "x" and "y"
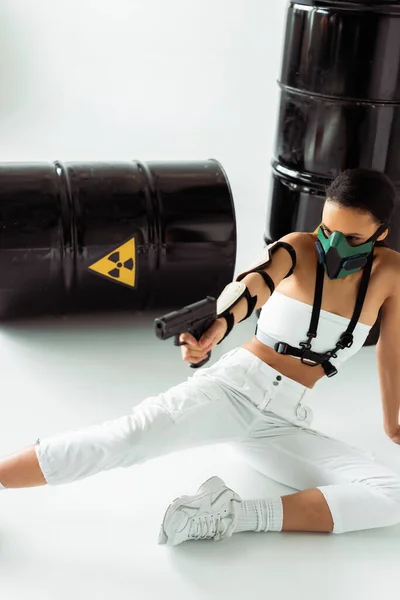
{"x": 195, "y": 319}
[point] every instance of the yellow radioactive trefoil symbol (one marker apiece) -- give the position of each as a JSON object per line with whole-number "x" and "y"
{"x": 119, "y": 265}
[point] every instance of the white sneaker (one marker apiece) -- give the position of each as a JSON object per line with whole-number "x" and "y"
{"x": 209, "y": 515}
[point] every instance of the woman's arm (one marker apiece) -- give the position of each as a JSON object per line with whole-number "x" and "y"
{"x": 388, "y": 355}
{"x": 279, "y": 267}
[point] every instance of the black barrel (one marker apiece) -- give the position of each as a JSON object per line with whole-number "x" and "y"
{"x": 113, "y": 236}
{"x": 339, "y": 107}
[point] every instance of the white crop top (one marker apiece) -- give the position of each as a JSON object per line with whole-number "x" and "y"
{"x": 287, "y": 320}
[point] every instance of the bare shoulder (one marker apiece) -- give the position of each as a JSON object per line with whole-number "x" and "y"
{"x": 387, "y": 268}
{"x": 387, "y": 256}
{"x": 299, "y": 240}
{"x": 304, "y": 246}
{"x": 297, "y": 237}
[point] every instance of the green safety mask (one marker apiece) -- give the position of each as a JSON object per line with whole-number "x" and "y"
{"x": 339, "y": 258}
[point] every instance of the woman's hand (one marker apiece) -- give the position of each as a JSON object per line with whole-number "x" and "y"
{"x": 195, "y": 351}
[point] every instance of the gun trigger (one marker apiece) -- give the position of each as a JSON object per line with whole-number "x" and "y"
{"x": 177, "y": 342}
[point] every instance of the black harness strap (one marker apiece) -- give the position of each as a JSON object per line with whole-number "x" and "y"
{"x": 292, "y": 253}
{"x": 346, "y": 339}
{"x": 252, "y": 300}
{"x": 319, "y": 285}
{"x": 251, "y": 303}
{"x": 267, "y": 279}
{"x": 361, "y": 295}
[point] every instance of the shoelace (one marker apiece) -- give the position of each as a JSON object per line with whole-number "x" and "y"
{"x": 207, "y": 527}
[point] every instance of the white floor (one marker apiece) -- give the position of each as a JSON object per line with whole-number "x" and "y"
{"x": 97, "y": 538}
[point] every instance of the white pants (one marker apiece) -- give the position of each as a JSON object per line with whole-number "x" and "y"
{"x": 241, "y": 400}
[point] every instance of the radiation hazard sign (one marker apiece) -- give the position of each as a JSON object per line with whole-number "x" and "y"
{"x": 119, "y": 265}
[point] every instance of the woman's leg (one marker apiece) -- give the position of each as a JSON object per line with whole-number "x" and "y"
{"x": 207, "y": 408}
{"x": 21, "y": 470}
{"x": 342, "y": 489}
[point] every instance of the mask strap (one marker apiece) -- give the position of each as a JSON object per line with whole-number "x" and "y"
{"x": 377, "y": 233}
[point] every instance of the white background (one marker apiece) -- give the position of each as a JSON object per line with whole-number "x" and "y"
{"x": 146, "y": 79}
{"x": 172, "y": 80}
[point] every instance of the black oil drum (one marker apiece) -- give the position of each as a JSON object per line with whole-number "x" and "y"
{"x": 339, "y": 107}
{"x": 118, "y": 236}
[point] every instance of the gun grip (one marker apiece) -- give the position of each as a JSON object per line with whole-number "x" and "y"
{"x": 200, "y": 364}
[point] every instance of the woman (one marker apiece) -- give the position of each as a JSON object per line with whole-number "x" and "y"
{"x": 254, "y": 395}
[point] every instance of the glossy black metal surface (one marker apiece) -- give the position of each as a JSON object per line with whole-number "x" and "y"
{"x": 347, "y": 50}
{"x": 339, "y": 106}
{"x": 56, "y": 220}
